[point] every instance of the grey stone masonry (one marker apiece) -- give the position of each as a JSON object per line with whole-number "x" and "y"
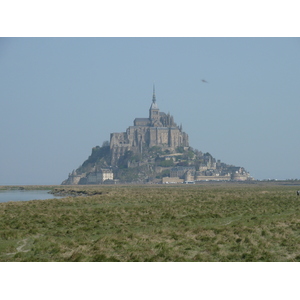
{"x": 157, "y": 130}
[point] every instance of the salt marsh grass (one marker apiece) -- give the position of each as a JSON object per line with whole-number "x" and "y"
{"x": 221, "y": 222}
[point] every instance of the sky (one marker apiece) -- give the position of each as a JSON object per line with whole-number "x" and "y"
{"x": 62, "y": 96}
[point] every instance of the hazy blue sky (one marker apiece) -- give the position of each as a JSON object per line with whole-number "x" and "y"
{"x": 62, "y": 96}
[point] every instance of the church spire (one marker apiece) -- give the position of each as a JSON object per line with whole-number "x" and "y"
{"x": 153, "y": 104}
{"x": 153, "y": 97}
{"x": 154, "y": 111}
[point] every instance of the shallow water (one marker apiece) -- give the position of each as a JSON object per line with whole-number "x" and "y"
{"x": 23, "y": 195}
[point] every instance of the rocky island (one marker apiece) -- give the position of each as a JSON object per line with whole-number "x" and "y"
{"x": 153, "y": 150}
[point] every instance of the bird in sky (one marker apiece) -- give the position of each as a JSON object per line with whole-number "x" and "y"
{"x": 203, "y": 80}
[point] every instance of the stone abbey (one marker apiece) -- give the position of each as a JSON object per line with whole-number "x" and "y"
{"x": 157, "y": 130}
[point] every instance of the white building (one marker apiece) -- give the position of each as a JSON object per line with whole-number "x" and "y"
{"x": 99, "y": 176}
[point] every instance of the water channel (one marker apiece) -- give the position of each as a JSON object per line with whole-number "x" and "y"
{"x": 25, "y": 195}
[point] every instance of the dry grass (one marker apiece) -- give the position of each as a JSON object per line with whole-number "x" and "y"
{"x": 156, "y": 223}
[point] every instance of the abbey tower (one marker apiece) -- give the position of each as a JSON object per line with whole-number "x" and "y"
{"x": 157, "y": 130}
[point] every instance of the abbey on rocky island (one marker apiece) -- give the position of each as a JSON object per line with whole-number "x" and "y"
{"x": 153, "y": 150}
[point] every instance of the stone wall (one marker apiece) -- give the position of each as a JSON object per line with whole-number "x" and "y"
{"x": 213, "y": 178}
{"x": 172, "y": 180}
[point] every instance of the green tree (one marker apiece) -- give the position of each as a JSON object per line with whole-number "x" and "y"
{"x": 165, "y": 163}
{"x": 180, "y": 149}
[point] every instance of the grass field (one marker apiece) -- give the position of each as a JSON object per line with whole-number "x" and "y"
{"x": 194, "y": 223}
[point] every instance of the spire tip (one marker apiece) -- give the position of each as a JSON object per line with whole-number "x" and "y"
{"x": 153, "y": 97}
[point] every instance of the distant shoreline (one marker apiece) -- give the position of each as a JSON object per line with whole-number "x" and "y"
{"x": 27, "y": 187}
{"x": 58, "y": 187}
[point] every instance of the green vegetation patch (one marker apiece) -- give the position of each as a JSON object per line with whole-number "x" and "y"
{"x": 155, "y": 223}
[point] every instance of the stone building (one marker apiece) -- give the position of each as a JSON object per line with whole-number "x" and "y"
{"x": 96, "y": 176}
{"x": 73, "y": 178}
{"x": 239, "y": 174}
{"x": 99, "y": 176}
{"x": 159, "y": 129}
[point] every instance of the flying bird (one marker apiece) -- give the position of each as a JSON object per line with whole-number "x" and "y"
{"x": 203, "y": 80}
